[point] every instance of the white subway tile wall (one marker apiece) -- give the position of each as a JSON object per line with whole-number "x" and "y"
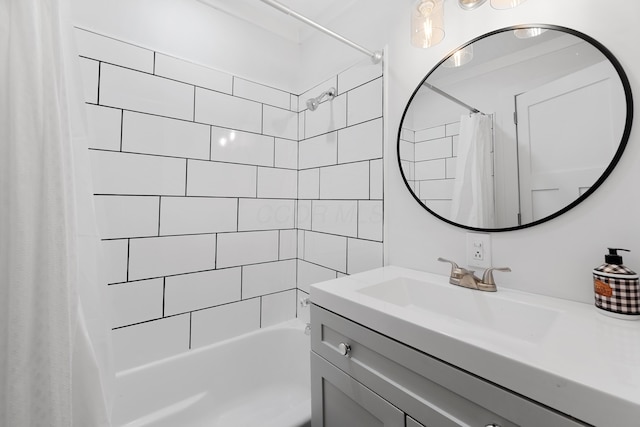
{"x": 221, "y": 200}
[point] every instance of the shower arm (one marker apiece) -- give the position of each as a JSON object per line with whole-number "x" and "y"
{"x": 376, "y": 56}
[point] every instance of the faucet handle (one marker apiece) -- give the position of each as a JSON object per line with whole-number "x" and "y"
{"x": 487, "y": 277}
{"x": 456, "y": 272}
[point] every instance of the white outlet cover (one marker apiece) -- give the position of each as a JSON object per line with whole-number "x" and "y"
{"x": 473, "y": 241}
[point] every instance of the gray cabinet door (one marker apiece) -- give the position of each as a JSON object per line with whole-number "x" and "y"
{"x": 340, "y": 401}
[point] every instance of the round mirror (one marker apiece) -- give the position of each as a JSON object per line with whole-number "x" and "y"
{"x": 515, "y": 128}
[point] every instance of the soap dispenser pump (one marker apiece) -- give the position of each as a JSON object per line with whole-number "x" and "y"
{"x": 617, "y": 289}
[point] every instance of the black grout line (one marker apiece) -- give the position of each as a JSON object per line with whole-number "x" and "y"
{"x": 186, "y": 177}
{"x": 159, "y": 213}
{"x": 99, "y": 82}
{"x": 128, "y": 257}
{"x": 165, "y": 156}
{"x": 164, "y": 294}
{"x": 211, "y": 141}
{"x": 121, "y": 129}
{"x": 194, "y": 104}
{"x": 190, "y": 328}
{"x": 154, "y": 62}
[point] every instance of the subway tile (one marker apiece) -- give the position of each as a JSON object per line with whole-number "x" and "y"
{"x": 278, "y": 308}
{"x": 266, "y": 214}
{"x": 360, "y": 73}
{"x": 228, "y": 145}
{"x": 277, "y": 183}
{"x": 247, "y": 248}
{"x": 452, "y": 129}
{"x": 304, "y": 214}
{"x": 429, "y": 134}
{"x": 319, "y": 151}
{"x": 137, "y": 174}
{"x": 104, "y": 125}
{"x": 408, "y": 168}
{"x": 309, "y": 184}
{"x": 376, "y": 177}
{"x": 113, "y": 51}
{"x": 135, "y": 302}
{"x": 349, "y": 181}
{"x": 90, "y": 71}
{"x": 330, "y": 116}
{"x": 430, "y": 169}
{"x": 127, "y": 216}
{"x": 451, "y": 165}
{"x": 133, "y": 90}
{"x": 220, "y": 179}
{"x": 226, "y": 321}
{"x": 406, "y": 150}
{"x": 301, "y": 234}
{"x": 364, "y": 255}
{"x": 370, "y": 219}
{"x": 308, "y": 274}
{"x": 326, "y": 250}
{"x": 261, "y": 93}
{"x": 268, "y": 278}
{"x": 293, "y": 106}
{"x": 192, "y": 215}
{"x": 140, "y": 344}
{"x": 361, "y": 142}
{"x": 365, "y": 102}
{"x": 144, "y": 133}
{"x": 114, "y": 260}
{"x": 437, "y": 189}
{"x": 301, "y": 126}
{"x": 434, "y": 149}
{"x": 280, "y": 123}
{"x": 286, "y": 155}
{"x": 189, "y": 72}
{"x": 288, "y": 243}
{"x": 335, "y": 217}
{"x": 164, "y": 256}
{"x": 189, "y": 292}
{"x": 227, "y": 111}
{"x": 408, "y": 135}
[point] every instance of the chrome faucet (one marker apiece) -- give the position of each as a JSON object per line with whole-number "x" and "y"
{"x": 467, "y": 278}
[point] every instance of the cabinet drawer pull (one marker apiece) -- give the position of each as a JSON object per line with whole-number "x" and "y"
{"x": 344, "y": 349}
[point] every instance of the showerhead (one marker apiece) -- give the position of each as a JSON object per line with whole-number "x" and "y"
{"x": 314, "y": 103}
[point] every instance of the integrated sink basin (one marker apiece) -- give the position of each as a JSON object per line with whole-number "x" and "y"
{"x": 501, "y": 315}
{"x": 560, "y": 353}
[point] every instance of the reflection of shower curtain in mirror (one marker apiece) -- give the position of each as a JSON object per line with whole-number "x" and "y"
{"x": 473, "y": 201}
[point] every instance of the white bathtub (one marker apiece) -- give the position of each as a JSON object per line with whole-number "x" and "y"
{"x": 257, "y": 379}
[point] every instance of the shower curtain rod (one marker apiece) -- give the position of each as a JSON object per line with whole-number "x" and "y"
{"x": 451, "y": 98}
{"x": 376, "y": 56}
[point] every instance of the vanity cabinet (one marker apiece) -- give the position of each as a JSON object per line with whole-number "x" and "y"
{"x": 362, "y": 378}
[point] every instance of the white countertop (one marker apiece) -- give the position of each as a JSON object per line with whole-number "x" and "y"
{"x": 585, "y": 364}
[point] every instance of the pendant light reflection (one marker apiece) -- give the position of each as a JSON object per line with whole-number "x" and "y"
{"x": 223, "y": 141}
{"x": 506, "y": 4}
{"x": 459, "y": 57}
{"x": 470, "y": 4}
{"x": 427, "y": 23}
{"x": 527, "y": 33}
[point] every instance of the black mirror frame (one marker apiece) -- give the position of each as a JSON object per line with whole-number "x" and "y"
{"x": 623, "y": 142}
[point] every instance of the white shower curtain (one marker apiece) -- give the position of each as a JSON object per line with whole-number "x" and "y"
{"x": 473, "y": 199}
{"x": 55, "y": 367}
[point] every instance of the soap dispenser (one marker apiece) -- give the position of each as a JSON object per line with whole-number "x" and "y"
{"x": 617, "y": 290}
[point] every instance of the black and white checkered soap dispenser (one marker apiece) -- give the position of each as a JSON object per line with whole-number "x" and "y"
{"x": 616, "y": 287}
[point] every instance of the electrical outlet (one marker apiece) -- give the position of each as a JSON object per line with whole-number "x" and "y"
{"x": 478, "y": 250}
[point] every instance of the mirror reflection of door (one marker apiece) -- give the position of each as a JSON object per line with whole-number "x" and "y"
{"x": 566, "y": 138}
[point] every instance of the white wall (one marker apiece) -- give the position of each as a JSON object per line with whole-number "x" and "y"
{"x": 555, "y": 258}
{"x": 191, "y": 30}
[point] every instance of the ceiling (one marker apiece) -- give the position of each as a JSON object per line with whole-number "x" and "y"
{"x": 261, "y": 14}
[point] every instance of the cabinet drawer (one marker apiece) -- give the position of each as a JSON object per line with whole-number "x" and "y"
{"x": 429, "y": 390}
